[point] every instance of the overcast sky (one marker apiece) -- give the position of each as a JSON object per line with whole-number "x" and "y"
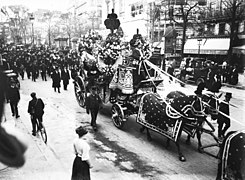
{"x": 33, "y": 5}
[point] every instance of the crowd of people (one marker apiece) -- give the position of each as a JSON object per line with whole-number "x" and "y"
{"x": 43, "y": 62}
{"x": 213, "y": 74}
{"x": 61, "y": 65}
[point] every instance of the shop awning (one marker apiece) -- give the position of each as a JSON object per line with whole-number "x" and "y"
{"x": 239, "y": 49}
{"x": 213, "y": 46}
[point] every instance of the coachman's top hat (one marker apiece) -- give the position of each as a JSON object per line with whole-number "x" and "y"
{"x": 200, "y": 88}
{"x": 228, "y": 94}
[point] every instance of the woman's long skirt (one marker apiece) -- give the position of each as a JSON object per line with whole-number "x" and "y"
{"x": 80, "y": 170}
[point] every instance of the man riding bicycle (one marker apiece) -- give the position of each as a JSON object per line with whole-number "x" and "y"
{"x": 35, "y": 109}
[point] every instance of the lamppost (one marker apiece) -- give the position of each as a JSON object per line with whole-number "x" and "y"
{"x": 199, "y": 46}
{"x": 107, "y": 5}
{"x": 32, "y": 22}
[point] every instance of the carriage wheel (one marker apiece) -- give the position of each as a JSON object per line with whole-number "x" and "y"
{"x": 118, "y": 117}
{"x": 80, "y": 91}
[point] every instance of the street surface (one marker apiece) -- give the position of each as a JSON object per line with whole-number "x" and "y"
{"x": 115, "y": 154}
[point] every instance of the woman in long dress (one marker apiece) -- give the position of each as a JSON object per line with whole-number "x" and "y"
{"x": 81, "y": 165}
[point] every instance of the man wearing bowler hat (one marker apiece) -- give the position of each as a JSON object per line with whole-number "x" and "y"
{"x": 93, "y": 104}
{"x": 223, "y": 116}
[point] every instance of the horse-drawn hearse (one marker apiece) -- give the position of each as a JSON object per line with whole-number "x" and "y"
{"x": 131, "y": 86}
{"x": 135, "y": 86}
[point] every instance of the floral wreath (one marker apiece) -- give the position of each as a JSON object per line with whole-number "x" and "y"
{"x": 87, "y": 42}
{"x": 111, "y": 51}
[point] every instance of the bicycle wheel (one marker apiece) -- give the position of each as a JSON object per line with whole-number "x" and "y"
{"x": 42, "y": 131}
{"x": 43, "y": 134}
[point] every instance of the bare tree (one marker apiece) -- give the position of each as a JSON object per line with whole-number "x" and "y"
{"x": 234, "y": 12}
{"x": 18, "y": 23}
{"x": 47, "y": 17}
{"x": 67, "y": 23}
{"x": 186, "y": 13}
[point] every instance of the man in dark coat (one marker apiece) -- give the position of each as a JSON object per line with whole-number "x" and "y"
{"x": 28, "y": 70}
{"x": 12, "y": 145}
{"x": 44, "y": 71}
{"x": 56, "y": 79}
{"x": 137, "y": 54}
{"x": 65, "y": 76}
{"x": 234, "y": 76}
{"x": 170, "y": 71}
{"x": 22, "y": 71}
{"x": 93, "y": 103}
{"x": 223, "y": 116}
{"x": 210, "y": 79}
{"x": 34, "y": 72}
{"x": 13, "y": 97}
{"x": 36, "y": 110}
{"x": 137, "y": 51}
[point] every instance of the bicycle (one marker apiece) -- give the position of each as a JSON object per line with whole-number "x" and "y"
{"x": 41, "y": 130}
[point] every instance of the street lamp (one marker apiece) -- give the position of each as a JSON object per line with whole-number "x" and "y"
{"x": 199, "y": 46}
{"x": 32, "y": 22}
{"x": 107, "y": 5}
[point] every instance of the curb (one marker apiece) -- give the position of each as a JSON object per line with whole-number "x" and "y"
{"x": 234, "y": 86}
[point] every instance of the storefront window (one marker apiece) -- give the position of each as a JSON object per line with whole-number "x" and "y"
{"x": 137, "y": 9}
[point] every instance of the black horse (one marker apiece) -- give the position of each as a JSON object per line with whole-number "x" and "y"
{"x": 170, "y": 116}
{"x": 210, "y": 107}
{"x": 232, "y": 157}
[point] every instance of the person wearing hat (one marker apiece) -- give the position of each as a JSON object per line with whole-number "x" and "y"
{"x": 223, "y": 119}
{"x": 200, "y": 88}
{"x": 13, "y": 97}
{"x": 81, "y": 163}
{"x": 35, "y": 109}
{"x": 93, "y": 104}
{"x": 56, "y": 78}
{"x": 65, "y": 77}
{"x": 137, "y": 51}
{"x": 13, "y": 144}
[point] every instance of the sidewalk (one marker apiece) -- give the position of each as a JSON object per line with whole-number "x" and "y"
{"x": 241, "y": 82}
{"x": 40, "y": 164}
